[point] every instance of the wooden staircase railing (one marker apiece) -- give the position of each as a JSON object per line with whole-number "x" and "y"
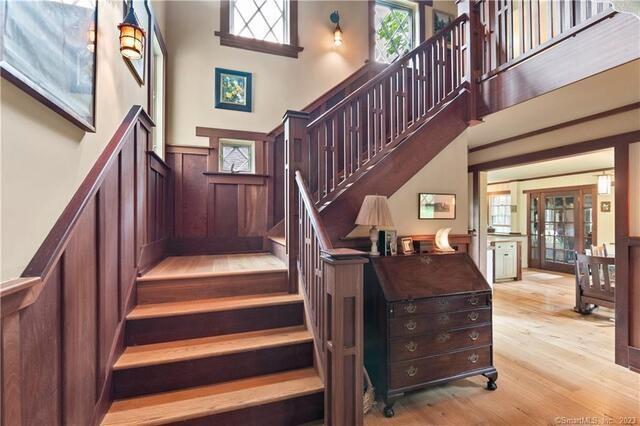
{"x": 351, "y": 137}
{"x": 330, "y": 281}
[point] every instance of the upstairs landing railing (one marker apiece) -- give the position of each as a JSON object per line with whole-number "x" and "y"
{"x": 356, "y": 133}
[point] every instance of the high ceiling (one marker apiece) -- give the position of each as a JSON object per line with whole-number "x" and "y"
{"x": 575, "y": 164}
{"x": 611, "y": 89}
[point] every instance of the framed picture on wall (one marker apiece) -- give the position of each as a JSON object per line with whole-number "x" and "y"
{"x": 441, "y": 20}
{"x": 605, "y": 206}
{"x": 49, "y": 51}
{"x": 141, "y": 9}
{"x": 436, "y": 206}
{"x": 233, "y": 90}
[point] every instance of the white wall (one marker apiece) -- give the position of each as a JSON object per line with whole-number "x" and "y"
{"x": 45, "y": 157}
{"x": 446, "y": 173}
{"x": 634, "y": 189}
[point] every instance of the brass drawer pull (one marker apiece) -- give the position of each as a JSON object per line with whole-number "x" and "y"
{"x": 444, "y": 318}
{"x": 473, "y": 358}
{"x": 474, "y": 300}
{"x": 474, "y": 335}
{"x": 473, "y": 316}
{"x": 411, "y": 325}
{"x": 411, "y": 346}
{"x": 410, "y": 308}
{"x": 443, "y": 337}
{"x": 412, "y": 371}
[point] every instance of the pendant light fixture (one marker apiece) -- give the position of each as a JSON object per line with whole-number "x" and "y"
{"x": 604, "y": 184}
{"x": 131, "y": 35}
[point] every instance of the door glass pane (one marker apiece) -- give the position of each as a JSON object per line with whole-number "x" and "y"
{"x": 559, "y": 242}
{"x": 559, "y": 256}
{"x": 548, "y": 254}
{"x": 568, "y": 216}
{"x": 569, "y": 230}
{"x": 569, "y": 243}
{"x": 558, "y": 202}
{"x": 568, "y": 202}
{"x": 548, "y": 215}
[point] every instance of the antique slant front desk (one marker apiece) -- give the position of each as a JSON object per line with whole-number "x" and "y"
{"x": 427, "y": 321}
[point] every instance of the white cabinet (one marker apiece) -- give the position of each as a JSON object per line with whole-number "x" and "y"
{"x": 505, "y": 260}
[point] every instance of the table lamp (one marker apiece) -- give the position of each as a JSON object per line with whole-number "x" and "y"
{"x": 374, "y": 212}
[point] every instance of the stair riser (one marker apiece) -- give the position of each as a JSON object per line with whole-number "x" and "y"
{"x": 167, "y": 377}
{"x": 293, "y": 411}
{"x": 176, "y": 290}
{"x": 155, "y": 330}
{"x": 278, "y": 250}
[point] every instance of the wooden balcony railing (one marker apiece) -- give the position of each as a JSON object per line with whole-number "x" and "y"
{"x": 358, "y": 131}
{"x": 513, "y": 30}
{"x": 331, "y": 282}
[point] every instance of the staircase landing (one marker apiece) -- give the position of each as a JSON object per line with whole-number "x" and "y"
{"x": 213, "y": 265}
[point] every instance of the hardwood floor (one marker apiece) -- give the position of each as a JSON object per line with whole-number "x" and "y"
{"x": 213, "y": 265}
{"x": 555, "y": 366}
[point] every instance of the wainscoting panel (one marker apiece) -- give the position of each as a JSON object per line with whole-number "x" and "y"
{"x": 218, "y": 212}
{"x": 62, "y": 323}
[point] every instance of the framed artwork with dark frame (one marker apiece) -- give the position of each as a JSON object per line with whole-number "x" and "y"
{"x": 441, "y": 20}
{"x": 233, "y": 90}
{"x": 143, "y": 13}
{"x": 49, "y": 51}
{"x": 605, "y": 206}
{"x": 436, "y": 206}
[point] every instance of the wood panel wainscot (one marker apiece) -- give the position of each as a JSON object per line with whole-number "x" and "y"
{"x": 62, "y": 322}
{"x": 221, "y": 212}
{"x": 427, "y": 321}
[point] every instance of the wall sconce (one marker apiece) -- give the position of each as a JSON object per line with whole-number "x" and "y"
{"x": 337, "y": 32}
{"x": 131, "y": 35}
{"x": 91, "y": 38}
{"x": 604, "y": 184}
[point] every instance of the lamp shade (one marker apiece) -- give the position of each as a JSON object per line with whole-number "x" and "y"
{"x": 374, "y": 212}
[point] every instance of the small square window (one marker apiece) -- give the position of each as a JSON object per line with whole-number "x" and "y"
{"x": 236, "y": 156}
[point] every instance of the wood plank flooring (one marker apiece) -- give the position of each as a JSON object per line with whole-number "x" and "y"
{"x": 213, "y": 265}
{"x": 555, "y": 366}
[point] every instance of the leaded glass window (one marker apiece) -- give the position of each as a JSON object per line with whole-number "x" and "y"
{"x": 394, "y": 30}
{"x": 266, "y": 20}
{"x": 236, "y": 156}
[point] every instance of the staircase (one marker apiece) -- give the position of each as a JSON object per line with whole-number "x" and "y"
{"x": 216, "y": 339}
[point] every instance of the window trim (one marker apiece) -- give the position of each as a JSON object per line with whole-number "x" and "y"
{"x": 290, "y": 50}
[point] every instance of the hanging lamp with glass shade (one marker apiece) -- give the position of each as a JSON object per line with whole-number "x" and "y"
{"x": 604, "y": 184}
{"x": 131, "y": 35}
{"x": 337, "y": 32}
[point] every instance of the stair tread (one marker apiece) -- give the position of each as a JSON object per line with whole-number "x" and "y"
{"x": 214, "y": 399}
{"x": 279, "y": 239}
{"x": 186, "y": 267}
{"x": 156, "y": 310}
{"x": 189, "y": 349}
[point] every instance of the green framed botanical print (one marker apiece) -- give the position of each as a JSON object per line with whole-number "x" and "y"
{"x": 233, "y": 90}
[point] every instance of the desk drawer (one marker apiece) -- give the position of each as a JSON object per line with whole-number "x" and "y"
{"x": 440, "y": 304}
{"x": 424, "y": 370}
{"x": 416, "y": 325}
{"x": 404, "y": 348}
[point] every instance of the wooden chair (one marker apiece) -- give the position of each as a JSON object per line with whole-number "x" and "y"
{"x": 595, "y": 282}
{"x": 600, "y": 250}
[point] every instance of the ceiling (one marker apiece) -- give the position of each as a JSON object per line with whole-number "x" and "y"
{"x": 608, "y": 90}
{"x": 574, "y": 164}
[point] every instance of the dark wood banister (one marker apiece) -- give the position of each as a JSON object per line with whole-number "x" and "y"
{"x": 316, "y": 220}
{"x": 393, "y": 67}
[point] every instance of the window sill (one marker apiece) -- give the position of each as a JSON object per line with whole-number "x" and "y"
{"x": 231, "y": 40}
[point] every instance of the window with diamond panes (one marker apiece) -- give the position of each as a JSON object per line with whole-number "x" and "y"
{"x": 265, "y": 20}
{"x": 236, "y": 157}
{"x": 394, "y": 30}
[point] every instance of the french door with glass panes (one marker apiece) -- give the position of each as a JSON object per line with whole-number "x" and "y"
{"x": 559, "y": 223}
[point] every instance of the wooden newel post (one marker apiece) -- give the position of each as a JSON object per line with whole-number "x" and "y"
{"x": 295, "y": 158}
{"x": 471, "y": 45}
{"x": 345, "y": 338}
